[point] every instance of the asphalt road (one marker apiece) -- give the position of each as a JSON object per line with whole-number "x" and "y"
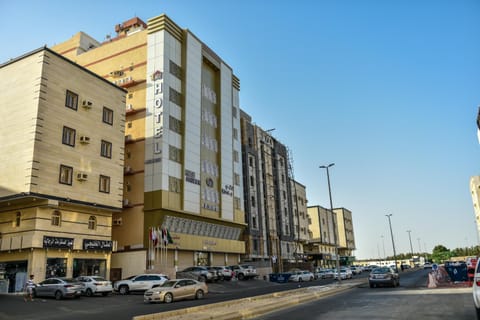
{"x": 412, "y": 300}
{"x": 120, "y": 307}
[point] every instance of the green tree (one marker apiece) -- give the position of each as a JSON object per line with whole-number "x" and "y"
{"x": 440, "y": 254}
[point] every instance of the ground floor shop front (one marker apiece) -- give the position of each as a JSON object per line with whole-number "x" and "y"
{"x": 15, "y": 267}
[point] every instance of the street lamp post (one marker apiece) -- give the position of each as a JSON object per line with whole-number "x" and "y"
{"x": 384, "y": 255}
{"x": 393, "y": 242}
{"x": 410, "y": 238}
{"x": 334, "y": 221}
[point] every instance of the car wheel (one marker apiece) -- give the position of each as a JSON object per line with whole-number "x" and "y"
{"x": 168, "y": 298}
{"x": 478, "y": 313}
{"x": 311, "y": 278}
{"x": 241, "y": 276}
{"x": 398, "y": 283}
{"x": 199, "y": 294}
{"x": 58, "y": 295}
{"x": 371, "y": 285}
{"x": 89, "y": 292}
{"x": 123, "y": 289}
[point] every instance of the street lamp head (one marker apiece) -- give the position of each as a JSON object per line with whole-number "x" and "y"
{"x": 326, "y": 167}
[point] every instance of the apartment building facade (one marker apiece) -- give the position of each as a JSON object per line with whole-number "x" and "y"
{"x": 346, "y": 236}
{"x": 321, "y": 247}
{"x": 301, "y": 220}
{"x": 61, "y": 159}
{"x": 269, "y": 206}
{"x": 183, "y": 169}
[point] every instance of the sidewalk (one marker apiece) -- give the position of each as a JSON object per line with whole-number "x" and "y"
{"x": 248, "y": 308}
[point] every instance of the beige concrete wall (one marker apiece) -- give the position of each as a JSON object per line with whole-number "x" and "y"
{"x": 131, "y": 263}
{"x": 20, "y": 83}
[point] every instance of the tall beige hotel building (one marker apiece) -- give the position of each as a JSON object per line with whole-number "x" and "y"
{"x": 182, "y": 156}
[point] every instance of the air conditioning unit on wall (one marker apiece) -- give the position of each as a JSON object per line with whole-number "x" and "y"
{"x": 82, "y": 176}
{"x": 87, "y": 104}
{"x": 84, "y": 139}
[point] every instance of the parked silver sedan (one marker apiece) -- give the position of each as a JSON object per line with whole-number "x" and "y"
{"x": 178, "y": 289}
{"x": 59, "y": 288}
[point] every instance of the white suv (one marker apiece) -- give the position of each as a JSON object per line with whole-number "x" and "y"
{"x": 141, "y": 282}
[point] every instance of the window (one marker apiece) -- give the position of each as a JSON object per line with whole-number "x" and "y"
{"x": 252, "y": 199}
{"x": 254, "y": 222}
{"x": 235, "y": 133}
{"x": 68, "y": 136}
{"x": 71, "y": 100}
{"x": 66, "y": 174}
{"x": 18, "y": 218}
{"x": 250, "y": 161}
{"x": 174, "y": 184}
{"x": 176, "y": 70}
{"x": 236, "y": 179}
{"x": 236, "y": 203}
{"x": 106, "y": 149}
{"x": 56, "y": 218}
{"x": 129, "y": 124}
{"x": 252, "y": 181}
{"x": 175, "y": 125}
{"x": 107, "y": 115}
{"x": 175, "y": 154}
{"x": 104, "y": 184}
{"x": 234, "y": 111}
{"x": 92, "y": 223}
{"x": 175, "y": 97}
{"x": 235, "y": 156}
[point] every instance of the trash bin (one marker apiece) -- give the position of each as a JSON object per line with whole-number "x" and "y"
{"x": 457, "y": 271}
{"x": 280, "y": 277}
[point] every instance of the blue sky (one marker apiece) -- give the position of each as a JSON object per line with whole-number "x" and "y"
{"x": 387, "y": 90}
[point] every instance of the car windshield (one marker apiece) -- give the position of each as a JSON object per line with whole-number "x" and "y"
{"x": 168, "y": 284}
{"x": 381, "y": 270}
{"x": 70, "y": 280}
{"x": 98, "y": 278}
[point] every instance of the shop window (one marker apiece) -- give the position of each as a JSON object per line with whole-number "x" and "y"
{"x": 89, "y": 267}
{"x": 56, "y": 218}
{"x": 92, "y": 223}
{"x": 56, "y": 267}
{"x": 201, "y": 259}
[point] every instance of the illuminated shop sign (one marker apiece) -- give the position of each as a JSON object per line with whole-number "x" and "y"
{"x": 57, "y": 242}
{"x": 90, "y": 244}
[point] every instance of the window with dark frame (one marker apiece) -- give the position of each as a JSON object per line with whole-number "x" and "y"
{"x": 68, "y": 136}
{"x": 71, "y": 100}
{"x": 56, "y": 218}
{"x": 104, "y": 184}
{"x": 66, "y": 174}
{"x": 106, "y": 149}
{"x": 107, "y": 116}
{"x": 92, "y": 223}
{"x": 18, "y": 218}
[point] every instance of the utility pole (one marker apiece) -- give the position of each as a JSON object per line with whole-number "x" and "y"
{"x": 393, "y": 242}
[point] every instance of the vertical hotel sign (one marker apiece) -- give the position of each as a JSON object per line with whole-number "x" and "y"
{"x": 157, "y": 78}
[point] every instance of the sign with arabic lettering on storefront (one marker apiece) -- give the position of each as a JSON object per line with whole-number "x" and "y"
{"x": 90, "y": 244}
{"x": 57, "y": 242}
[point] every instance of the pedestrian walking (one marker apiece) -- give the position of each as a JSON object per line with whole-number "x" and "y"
{"x": 29, "y": 285}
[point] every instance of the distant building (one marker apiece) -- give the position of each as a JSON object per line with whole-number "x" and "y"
{"x": 301, "y": 220}
{"x": 270, "y": 199}
{"x": 61, "y": 159}
{"x": 321, "y": 246}
{"x": 183, "y": 165}
{"x": 346, "y": 237}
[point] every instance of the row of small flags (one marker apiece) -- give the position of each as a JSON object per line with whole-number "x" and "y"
{"x": 160, "y": 235}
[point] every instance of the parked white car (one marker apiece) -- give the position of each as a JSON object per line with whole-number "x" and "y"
{"x": 140, "y": 282}
{"x": 299, "y": 276}
{"x": 94, "y": 285}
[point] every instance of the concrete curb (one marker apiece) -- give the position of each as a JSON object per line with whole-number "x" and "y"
{"x": 248, "y": 308}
